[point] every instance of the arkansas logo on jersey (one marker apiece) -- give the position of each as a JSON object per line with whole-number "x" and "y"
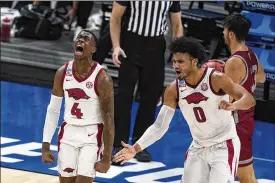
{"x": 195, "y": 98}
{"x": 77, "y": 93}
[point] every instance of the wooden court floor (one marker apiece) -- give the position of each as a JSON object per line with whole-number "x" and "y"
{"x": 18, "y": 176}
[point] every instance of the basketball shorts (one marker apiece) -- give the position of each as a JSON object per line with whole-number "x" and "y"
{"x": 245, "y": 134}
{"x": 215, "y": 164}
{"x": 79, "y": 148}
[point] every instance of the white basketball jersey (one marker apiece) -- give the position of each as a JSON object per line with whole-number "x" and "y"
{"x": 81, "y": 99}
{"x": 199, "y": 105}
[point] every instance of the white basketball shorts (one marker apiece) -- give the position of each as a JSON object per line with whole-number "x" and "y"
{"x": 215, "y": 164}
{"x": 79, "y": 148}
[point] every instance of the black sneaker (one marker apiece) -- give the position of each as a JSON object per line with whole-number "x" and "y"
{"x": 143, "y": 156}
{"x": 116, "y": 150}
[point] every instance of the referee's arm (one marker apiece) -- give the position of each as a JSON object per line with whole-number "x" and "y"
{"x": 115, "y": 21}
{"x": 175, "y": 19}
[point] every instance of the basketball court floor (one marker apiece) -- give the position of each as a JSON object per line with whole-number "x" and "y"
{"x": 23, "y": 109}
{"x": 19, "y": 176}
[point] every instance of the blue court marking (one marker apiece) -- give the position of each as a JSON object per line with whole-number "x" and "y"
{"x": 23, "y": 110}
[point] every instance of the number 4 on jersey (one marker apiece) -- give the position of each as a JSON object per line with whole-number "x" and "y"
{"x": 76, "y": 111}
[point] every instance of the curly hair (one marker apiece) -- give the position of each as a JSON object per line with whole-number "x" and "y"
{"x": 238, "y": 24}
{"x": 190, "y": 46}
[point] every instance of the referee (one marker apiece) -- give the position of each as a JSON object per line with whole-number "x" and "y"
{"x": 139, "y": 54}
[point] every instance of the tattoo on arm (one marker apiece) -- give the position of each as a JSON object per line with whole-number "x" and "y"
{"x": 106, "y": 98}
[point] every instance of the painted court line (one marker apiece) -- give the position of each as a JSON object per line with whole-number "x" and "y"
{"x": 263, "y": 159}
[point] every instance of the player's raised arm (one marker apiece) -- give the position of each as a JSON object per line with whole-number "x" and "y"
{"x": 156, "y": 130}
{"x": 52, "y": 116}
{"x": 243, "y": 99}
{"x": 106, "y": 99}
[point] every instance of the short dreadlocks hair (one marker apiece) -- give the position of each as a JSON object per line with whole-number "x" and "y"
{"x": 190, "y": 46}
{"x": 238, "y": 24}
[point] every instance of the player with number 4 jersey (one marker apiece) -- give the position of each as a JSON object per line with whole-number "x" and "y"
{"x": 202, "y": 94}
{"x": 88, "y": 116}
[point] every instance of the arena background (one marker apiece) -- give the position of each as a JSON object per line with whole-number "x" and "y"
{"x": 27, "y": 71}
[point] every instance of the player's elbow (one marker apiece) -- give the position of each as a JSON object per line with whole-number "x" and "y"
{"x": 162, "y": 127}
{"x": 247, "y": 101}
{"x": 160, "y": 130}
{"x": 261, "y": 78}
{"x": 161, "y": 133}
{"x": 252, "y": 101}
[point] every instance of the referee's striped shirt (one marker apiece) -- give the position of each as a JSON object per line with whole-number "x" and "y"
{"x": 149, "y": 18}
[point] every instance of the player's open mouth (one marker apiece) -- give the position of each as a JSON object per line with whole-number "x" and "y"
{"x": 178, "y": 72}
{"x": 79, "y": 50}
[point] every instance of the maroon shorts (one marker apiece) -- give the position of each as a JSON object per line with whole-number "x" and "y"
{"x": 245, "y": 134}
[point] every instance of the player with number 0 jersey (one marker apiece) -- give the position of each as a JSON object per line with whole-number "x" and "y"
{"x": 202, "y": 94}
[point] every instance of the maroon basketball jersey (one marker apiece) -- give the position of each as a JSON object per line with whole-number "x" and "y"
{"x": 249, "y": 83}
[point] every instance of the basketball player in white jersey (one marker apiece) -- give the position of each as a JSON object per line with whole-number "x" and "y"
{"x": 88, "y": 116}
{"x": 203, "y": 97}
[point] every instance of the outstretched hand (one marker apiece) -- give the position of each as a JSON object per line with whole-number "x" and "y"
{"x": 127, "y": 153}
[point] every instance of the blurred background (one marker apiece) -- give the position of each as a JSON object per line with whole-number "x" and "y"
{"x": 37, "y": 38}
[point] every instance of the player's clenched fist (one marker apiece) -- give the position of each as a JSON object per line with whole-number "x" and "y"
{"x": 47, "y": 157}
{"x": 102, "y": 166}
{"x": 228, "y": 106}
